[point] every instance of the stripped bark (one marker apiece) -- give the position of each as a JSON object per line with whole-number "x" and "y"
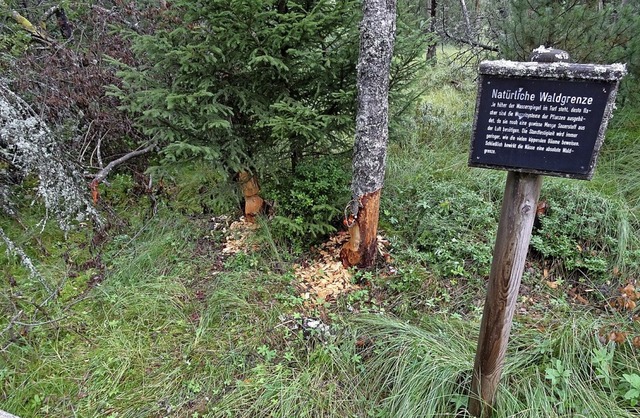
{"x": 361, "y": 249}
{"x": 377, "y": 36}
{"x": 253, "y": 203}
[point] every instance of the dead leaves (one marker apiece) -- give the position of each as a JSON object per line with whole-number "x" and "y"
{"x": 627, "y": 299}
{"x": 625, "y": 302}
{"x": 619, "y": 337}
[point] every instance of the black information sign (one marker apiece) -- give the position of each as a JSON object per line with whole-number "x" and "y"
{"x": 541, "y": 125}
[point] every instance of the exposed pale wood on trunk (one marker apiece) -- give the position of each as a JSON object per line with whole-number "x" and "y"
{"x": 361, "y": 248}
{"x": 253, "y": 203}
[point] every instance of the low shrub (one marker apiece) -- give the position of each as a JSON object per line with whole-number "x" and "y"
{"x": 309, "y": 204}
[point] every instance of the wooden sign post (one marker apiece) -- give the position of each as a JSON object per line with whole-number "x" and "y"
{"x": 532, "y": 118}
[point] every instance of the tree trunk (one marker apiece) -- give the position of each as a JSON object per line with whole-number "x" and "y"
{"x": 477, "y": 16}
{"x": 377, "y": 35}
{"x": 431, "y": 51}
{"x": 253, "y": 203}
{"x": 468, "y": 30}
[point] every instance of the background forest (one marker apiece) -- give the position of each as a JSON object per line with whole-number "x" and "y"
{"x": 134, "y": 136}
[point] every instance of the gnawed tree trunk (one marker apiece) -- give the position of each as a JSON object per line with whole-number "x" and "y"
{"x": 253, "y": 203}
{"x": 377, "y": 35}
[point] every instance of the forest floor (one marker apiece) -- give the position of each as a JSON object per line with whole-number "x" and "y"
{"x": 170, "y": 313}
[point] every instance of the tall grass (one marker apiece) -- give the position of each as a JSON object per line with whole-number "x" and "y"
{"x": 173, "y": 331}
{"x": 426, "y": 371}
{"x": 120, "y": 348}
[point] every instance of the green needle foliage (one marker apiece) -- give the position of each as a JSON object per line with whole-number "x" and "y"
{"x": 253, "y": 82}
{"x": 227, "y": 81}
{"x": 590, "y": 32}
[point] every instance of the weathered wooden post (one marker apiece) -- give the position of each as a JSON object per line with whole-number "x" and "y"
{"x": 531, "y": 119}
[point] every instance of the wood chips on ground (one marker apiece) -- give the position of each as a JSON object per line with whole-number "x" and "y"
{"x": 238, "y": 237}
{"x": 323, "y": 278}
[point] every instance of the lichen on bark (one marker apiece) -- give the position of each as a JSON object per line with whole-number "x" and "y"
{"x": 28, "y": 147}
{"x": 377, "y": 35}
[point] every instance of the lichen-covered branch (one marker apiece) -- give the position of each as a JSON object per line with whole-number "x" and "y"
{"x": 27, "y": 142}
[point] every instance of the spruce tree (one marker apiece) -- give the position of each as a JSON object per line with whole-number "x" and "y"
{"x": 589, "y": 31}
{"x": 236, "y": 82}
{"x": 252, "y": 83}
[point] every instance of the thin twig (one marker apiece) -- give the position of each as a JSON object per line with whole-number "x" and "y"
{"x": 12, "y": 321}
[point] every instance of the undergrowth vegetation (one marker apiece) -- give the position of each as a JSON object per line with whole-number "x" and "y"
{"x": 308, "y": 204}
{"x": 151, "y": 316}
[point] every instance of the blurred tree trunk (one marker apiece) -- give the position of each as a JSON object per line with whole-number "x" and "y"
{"x": 467, "y": 22}
{"x": 377, "y": 36}
{"x": 431, "y": 51}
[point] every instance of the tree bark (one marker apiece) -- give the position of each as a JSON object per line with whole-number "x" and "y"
{"x": 467, "y": 22}
{"x": 377, "y": 36}
{"x": 431, "y": 50}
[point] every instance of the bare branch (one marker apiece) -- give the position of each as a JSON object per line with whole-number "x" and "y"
{"x": 472, "y": 42}
{"x": 12, "y": 322}
{"x": 102, "y": 174}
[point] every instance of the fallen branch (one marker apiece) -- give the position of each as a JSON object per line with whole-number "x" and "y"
{"x": 102, "y": 174}
{"x": 12, "y": 322}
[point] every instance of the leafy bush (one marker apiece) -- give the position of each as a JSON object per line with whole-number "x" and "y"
{"x": 583, "y": 233}
{"x": 451, "y": 225}
{"x": 309, "y": 204}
